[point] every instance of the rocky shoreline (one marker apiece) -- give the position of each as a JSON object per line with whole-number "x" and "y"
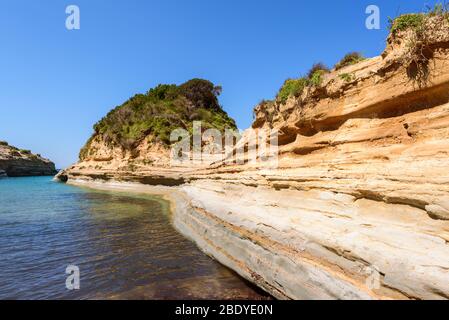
{"x": 302, "y": 252}
{"x": 357, "y": 205}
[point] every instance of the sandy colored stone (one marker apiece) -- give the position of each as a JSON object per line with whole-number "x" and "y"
{"x": 362, "y": 185}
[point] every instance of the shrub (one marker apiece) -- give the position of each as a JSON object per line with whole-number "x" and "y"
{"x": 163, "y": 92}
{"x": 407, "y": 21}
{"x": 24, "y": 151}
{"x": 416, "y": 21}
{"x": 317, "y": 78}
{"x": 317, "y": 67}
{"x": 291, "y": 87}
{"x": 346, "y": 77}
{"x": 201, "y": 93}
{"x": 315, "y": 74}
{"x": 349, "y": 59}
{"x": 295, "y": 87}
{"x": 4, "y": 143}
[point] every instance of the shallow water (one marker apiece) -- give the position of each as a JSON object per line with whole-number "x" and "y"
{"x": 123, "y": 244}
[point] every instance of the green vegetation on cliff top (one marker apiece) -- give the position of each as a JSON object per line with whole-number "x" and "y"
{"x": 314, "y": 78}
{"x": 416, "y": 21}
{"x": 295, "y": 87}
{"x": 161, "y": 110}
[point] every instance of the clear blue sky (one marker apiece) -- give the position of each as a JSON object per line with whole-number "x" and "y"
{"x": 55, "y": 84}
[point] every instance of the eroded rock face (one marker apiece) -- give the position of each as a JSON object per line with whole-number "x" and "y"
{"x": 358, "y": 206}
{"x": 22, "y": 163}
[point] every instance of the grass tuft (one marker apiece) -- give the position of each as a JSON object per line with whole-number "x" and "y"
{"x": 418, "y": 51}
{"x": 407, "y": 21}
{"x": 346, "y": 77}
{"x": 295, "y": 87}
{"x": 349, "y": 59}
{"x": 291, "y": 87}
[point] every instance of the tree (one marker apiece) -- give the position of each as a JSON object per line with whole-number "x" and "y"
{"x": 202, "y": 93}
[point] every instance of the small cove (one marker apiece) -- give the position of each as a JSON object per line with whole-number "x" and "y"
{"x": 123, "y": 244}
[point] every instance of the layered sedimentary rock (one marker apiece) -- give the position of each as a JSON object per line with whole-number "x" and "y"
{"x": 357, "y": 206}
{"x": 21, "y": 163}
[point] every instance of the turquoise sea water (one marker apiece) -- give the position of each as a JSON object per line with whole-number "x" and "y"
{"x": 123, "y": 244}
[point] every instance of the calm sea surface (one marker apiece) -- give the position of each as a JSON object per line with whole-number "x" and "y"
{"x": 123, "y": 244}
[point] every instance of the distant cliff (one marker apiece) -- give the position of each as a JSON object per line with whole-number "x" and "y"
{"x": 22, "y": 163}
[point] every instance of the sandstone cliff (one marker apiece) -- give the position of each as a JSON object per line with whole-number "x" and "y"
{"x": 21, "y": 163}
{"x": 358, "y": 204}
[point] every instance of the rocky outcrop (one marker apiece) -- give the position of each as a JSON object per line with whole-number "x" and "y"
{"x": 357, "y": 204}
{"x": 22, "y": 163}
{"x": 140, "y": 129}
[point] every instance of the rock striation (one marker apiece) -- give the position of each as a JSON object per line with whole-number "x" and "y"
{"x": 357, "y": 206}
{"x": 22, "y": 163}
